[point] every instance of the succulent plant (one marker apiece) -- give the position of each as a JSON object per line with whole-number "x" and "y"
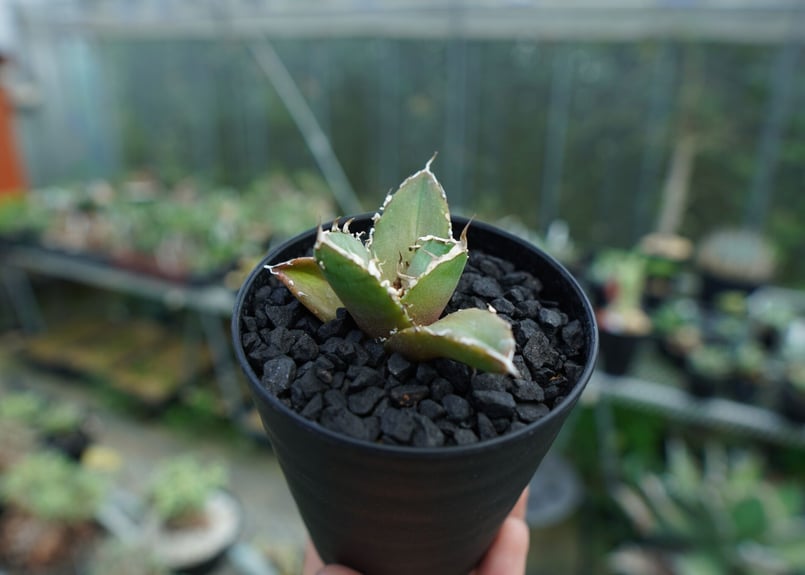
{"x": 181, "y": 486}
{"x": 721, "y": 515}
{"x": 397, "y": 282}
{"x": 711, "y": 360}
{"x": 22, "y": 406}
{"x": 51, "y": 487}
{"x": 623, "y": 312}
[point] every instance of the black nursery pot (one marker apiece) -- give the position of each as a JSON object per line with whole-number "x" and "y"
{"x": 395, "y": 510}
{"x": 618, "y": 351}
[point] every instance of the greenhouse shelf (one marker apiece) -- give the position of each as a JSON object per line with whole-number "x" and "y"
{"x": 675, "y": 403}
{"x": 210, "y": 303}
{"x": 213, "y": 298}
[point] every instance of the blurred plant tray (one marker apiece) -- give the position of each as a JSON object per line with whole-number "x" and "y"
{"x": 144, "y": 360}
{"x": 53, "y": 348}
{"x": 87, "y": 345}
{"x": 156, "y": 376}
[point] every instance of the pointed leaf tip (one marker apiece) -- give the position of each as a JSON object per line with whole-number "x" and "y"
{"x": 304, "y": 279}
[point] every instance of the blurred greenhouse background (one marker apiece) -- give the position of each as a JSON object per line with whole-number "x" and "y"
{"x": 166, "y": 144}
{"x": 564, "y": 110}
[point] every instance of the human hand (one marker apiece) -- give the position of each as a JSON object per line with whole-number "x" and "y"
{"x": 506, "y": 556}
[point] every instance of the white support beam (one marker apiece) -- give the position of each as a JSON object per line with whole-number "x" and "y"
{"x": 736, "y": 21}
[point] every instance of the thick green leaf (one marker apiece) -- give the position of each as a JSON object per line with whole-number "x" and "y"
{"x": 416, "y": 210}
{"x": 345, "y": 241}
{"x": 303, "y": 277}
{"x": 372, "y": 302}
{"x": 476, "y": 337}
{"x": 425, "y": 251}
{"x": 427, "y": 295}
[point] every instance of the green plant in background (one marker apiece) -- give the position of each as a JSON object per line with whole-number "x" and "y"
{"x": 715, "y": 517}
{"x": 674, "y": 315}
{"x": 712, "y": 361}
{"x": 50, "y": 487}
{"x": 736, "y": 254}
{"x": 396, "y": 285}
{"x": 21, "y": 406}
{"x": 180, "y": 487}
{"x": 752, "y": 362}
{"x": 678, "y": 324}
{"x": 18, "y": 440}
{"x": 623, "y": 312}
{"x": 604, "y": 266}
{"x": 795, "y": 374}
{"x": 60, "y": 418}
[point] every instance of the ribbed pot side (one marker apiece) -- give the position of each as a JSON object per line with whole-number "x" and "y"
{"x": 390, "y": 510}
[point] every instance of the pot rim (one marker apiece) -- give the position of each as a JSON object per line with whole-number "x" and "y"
{"x": 441, "y": 452}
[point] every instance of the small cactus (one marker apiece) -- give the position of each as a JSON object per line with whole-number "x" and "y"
{"x": 397, "y": 282}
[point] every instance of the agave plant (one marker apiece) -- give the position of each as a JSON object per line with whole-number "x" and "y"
{"x": 396, "y": 282}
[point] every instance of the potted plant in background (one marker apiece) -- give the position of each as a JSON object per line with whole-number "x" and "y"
{"x": 791, "y": 399}
{"x": 49, "y": 523}
{"x": 359, "y": 419}
{"x": 58, "y": 425}
{"x": 65, "y": 427}
{"x": 667, "y": 256}
{"x": 195, "y": 520}
{"x": 622, "y": 321}
{"x": 733, "y": 260}
{"x": 721, "y": 515}
{"x": 752, "y": 377}
{"x": 709, "y": 367}
{"x": 600, "y": 274}
{"x": 770, "y": 318}
{"x": 677, "y": 328}
{"x": 18, "y": 413}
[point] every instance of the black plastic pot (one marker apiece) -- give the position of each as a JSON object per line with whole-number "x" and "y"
{"x": 393, "y": 510}
{"x": 71, "y": 443}
{"x": 712, "y": 286}
{"x": 703, "y": 386}
{"x": 618, "y": 351}
{"x": 791, "y": 403}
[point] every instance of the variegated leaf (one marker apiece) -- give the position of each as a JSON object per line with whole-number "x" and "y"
{"x": 372, "y": 302}
{"x": 429, "y": 289}
{"x": 303, "y": 277}
{"x": 417, "y": 209}
{"x": 476, "y": 337}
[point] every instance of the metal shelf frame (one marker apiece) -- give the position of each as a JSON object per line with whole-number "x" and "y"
{"x": 209, "y": 303}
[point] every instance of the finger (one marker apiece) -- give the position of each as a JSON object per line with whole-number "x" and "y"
{"x": 520, "y": 507}
{"x": 312, "y": 563}
{"x": 508, "y": 553}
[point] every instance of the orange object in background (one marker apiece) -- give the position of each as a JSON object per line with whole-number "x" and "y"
{"x": 12, "y": 178}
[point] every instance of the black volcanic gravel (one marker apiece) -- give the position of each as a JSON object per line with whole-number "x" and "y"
{"x": 335, "y": 375}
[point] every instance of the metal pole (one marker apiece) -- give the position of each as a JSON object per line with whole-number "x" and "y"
{"x": 276, "y": 72}
{"x": 661, "y": 98}
{"x": 784, "y": 73}
{"x": 556, "y": 136}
